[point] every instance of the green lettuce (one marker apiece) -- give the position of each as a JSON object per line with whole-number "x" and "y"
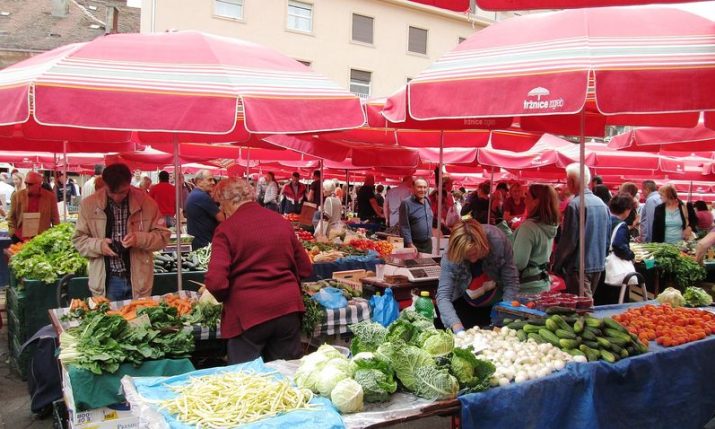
{"x": 368, "y": 336}
{"x": 697, "y": 297}
{"x": 435, "y": 383}
{"x": 472, "y": 374}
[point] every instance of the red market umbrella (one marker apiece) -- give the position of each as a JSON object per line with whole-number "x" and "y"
{"x": 177, "y": 83}
{"x": 657, "y": 139}
{"x": 606, "y": 65}
{"x": 507, "y": 5}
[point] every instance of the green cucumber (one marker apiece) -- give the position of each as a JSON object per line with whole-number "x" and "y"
{"x": 610, "y": 323}
{"x": 521, "y": 335}
{"x": 578, "y": 325}
{"x": 592, "y": 344}
{"x": 566, "y": 343}
{"x": 610, "y": 332}
{"x": 608, "y": 356}
{"x": 591, "y": 354}
{"x": 618, "y": 341}
{"x": 549, "y": 336}
{"x": 531, "y": 329}
{"x": 575, "y": 352}
{"x": 593, "y": 322}
{"x": 536, "y": 337}
{"x": 516, "y": 325}
{"x": 565, "y": 334}
{"x": 588, "y": 335}
{"x": 551, "y": 325}
{"x": 603, "y": 342}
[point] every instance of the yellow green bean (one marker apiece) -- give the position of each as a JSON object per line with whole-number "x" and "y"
{"x": 234, "y": 398}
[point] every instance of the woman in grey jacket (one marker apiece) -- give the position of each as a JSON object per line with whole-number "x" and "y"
{"x": 478, "y": 271}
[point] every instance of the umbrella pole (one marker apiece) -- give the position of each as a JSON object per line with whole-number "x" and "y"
{"x": 322, "y": 179}
{"x": 690, "y": 192}
{"x": 248, "y": 166}
{"x": 582, "y": 209}
{"x": 177, "y": 190}
{"x": 64, "y": 188}
{"x": 346, "y": 194}
{"x": 439, "y": 193}
{"x": 491, "y": 195}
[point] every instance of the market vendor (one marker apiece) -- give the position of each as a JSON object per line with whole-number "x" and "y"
{"x": 332, "y": 211}
{"x": 478, "y": 271}
{"x": 255, "y": 270}
{"x": 118, "y": 229}
{"x": 416, "y": 218}
{"x": 33, "y": 199}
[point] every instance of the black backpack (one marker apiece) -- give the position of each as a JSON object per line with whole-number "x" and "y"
{"x": 43, "y": 372}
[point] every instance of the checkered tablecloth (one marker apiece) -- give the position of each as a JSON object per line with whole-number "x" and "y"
{"x": 199, "y": 332}
{"x": 337, "y": 321}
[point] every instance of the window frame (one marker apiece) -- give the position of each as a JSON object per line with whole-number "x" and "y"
{"x": 358, "y": 83}
{"x": 426, "y": 41}
{"x": 298, "y": 3}
{"x": 231, "y": 2}
{"x": 352, "y": 31}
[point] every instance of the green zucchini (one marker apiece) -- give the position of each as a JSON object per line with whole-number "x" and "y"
{"x": 549, "y": 336}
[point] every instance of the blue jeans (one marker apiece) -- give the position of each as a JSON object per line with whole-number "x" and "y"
{"x": 118, "y": 289}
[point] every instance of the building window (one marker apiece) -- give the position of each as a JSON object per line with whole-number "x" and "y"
{"x": 461, "y": 39}
{"x": 363, "y": 28}
{"x": 300, "y": 16}
{"x": 229, "y": 8}
{"x": 417, "y": 42}
{"x": 360, "y": 83}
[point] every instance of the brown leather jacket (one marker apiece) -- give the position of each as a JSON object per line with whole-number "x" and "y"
{"x": 49, "y": 215}
{"x": 144, "y": 219}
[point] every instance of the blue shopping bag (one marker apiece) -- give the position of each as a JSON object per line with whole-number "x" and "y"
{"x": 331, "y": 298}
{"x": 385, "y": 309}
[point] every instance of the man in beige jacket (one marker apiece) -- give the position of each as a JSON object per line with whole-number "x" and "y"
{"x": 32, "y": 199}
{"x": 118, "y": 230}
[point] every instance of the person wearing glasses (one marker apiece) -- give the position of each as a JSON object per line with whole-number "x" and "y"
{"x": 32, "y": 199}
{"x": 118, "y": 230}
{"x": 202, "y": 213}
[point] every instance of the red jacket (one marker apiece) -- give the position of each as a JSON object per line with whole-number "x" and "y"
{"x": 255, "y": 269}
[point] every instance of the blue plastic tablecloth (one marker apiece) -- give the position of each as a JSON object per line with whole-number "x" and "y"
{"x": 665, "y": 388}
{"x": 325, "y": 270}
{"x": 324, "y": 416}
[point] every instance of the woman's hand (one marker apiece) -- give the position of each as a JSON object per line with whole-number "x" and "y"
{"x": 687, "y": 233}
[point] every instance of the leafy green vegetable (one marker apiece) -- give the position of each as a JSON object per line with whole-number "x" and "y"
{"x": 368, "y": 336}
{"x": 375, "y": 376}
{"x": 49, "y": 256}
{"x": 682, "y": 268}
{"x": 697, "y": 297}
{"x": 402, "y": 330}
{"x": 435, "y": 383}
{"x": 312, "y": 317}
{"x": 671, "y": 296}
{"x": 405, "y": 359}
{"x": 321, "y": 370}
{"x": 347, "y": 396}
{"x": 417, "y": 320}
{"x": 473, "y": 374}
{"x": 205, "y": 314}
{"x": 438, "y": 343}
{"x": 102, "y": 342}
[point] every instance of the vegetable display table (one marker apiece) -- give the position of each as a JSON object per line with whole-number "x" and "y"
{"x": 664, "y": 388}
{"x": 401, "y": 291}
{"x": 337, "y": 320}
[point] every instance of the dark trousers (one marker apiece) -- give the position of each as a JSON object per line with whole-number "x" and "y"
{"x": 472, "y": 316}
{"x": 278, "y": 338}
{"x": 423, "y": 246}
{"x": 590, "y": 283}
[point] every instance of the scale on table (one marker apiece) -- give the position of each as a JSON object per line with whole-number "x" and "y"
{"x": 416, "y": 270}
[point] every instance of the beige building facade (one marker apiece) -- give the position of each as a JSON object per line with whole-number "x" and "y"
{"x": 372, "y": 47}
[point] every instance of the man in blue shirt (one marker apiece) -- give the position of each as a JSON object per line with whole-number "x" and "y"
{"x": 201, "y": 211}
{"x": 416, "y": 218}
{"x": 652, "y": 200}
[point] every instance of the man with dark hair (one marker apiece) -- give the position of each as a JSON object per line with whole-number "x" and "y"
{"x": 596, "y": 180}
{"x": 315, "y": 186}
{"x": 293, "y": 195}
{"x": 89, "y": 187}
{"x": 164, "y": 193}
{"x": 118, "y": 229}
{"x": 652, "y": 200}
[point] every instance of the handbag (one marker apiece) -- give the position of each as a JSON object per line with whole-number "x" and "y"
{"x": 617, "y": 268}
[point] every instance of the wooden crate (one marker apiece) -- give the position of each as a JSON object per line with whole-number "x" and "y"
{"x": 352, "y": 278}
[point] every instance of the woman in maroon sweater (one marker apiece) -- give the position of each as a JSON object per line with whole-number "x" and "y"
{"x": 255, "y": 270}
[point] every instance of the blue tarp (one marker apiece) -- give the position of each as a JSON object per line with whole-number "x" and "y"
{"x": 324, "y": 416}
{"x": 325, "y": 270}
{"x": 665, "y": 388}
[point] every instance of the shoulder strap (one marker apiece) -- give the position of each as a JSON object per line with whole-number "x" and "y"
{"x": 613, "y": 235}
{"x": 686, "y": 222}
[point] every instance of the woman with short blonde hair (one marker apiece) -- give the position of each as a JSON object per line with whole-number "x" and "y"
{"x": 477, "y": 272}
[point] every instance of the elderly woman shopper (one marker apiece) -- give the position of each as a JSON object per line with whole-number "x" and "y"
{"x": 478, "y": 271}
{"x": 255, "y": 270}
{"x": 534, "y": 239}
{"x": 673, "y": 221}
{"x": 270, "y": 198}
{"x": 332, "y": 211}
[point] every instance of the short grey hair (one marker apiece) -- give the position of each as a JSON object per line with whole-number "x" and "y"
{"x": 202, "y": 174}
{"x": 235, "y": 190}
{"x": 329, "y": 186}
{"x": 573, "y": 171}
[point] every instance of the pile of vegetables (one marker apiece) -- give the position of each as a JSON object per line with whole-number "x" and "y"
{"x": 234, "y": 398}
{"x": 666, "y": 325}
{"x": 198, "y": 260}
{"x": 578, "y": 336}
{"x": 683, "y": 269}
{"x": 49, "y": 256}
{"x": 514, "y": 359}
{"x": 410, "y": 355}
{"x": 693, "y": 297}
{"x": 313, "y": 316}
{"x": 102, "y": 342}
{"x": 348, "y": 291}
{"x": 304, "y": 235}
{"x": 383, "y": 248}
